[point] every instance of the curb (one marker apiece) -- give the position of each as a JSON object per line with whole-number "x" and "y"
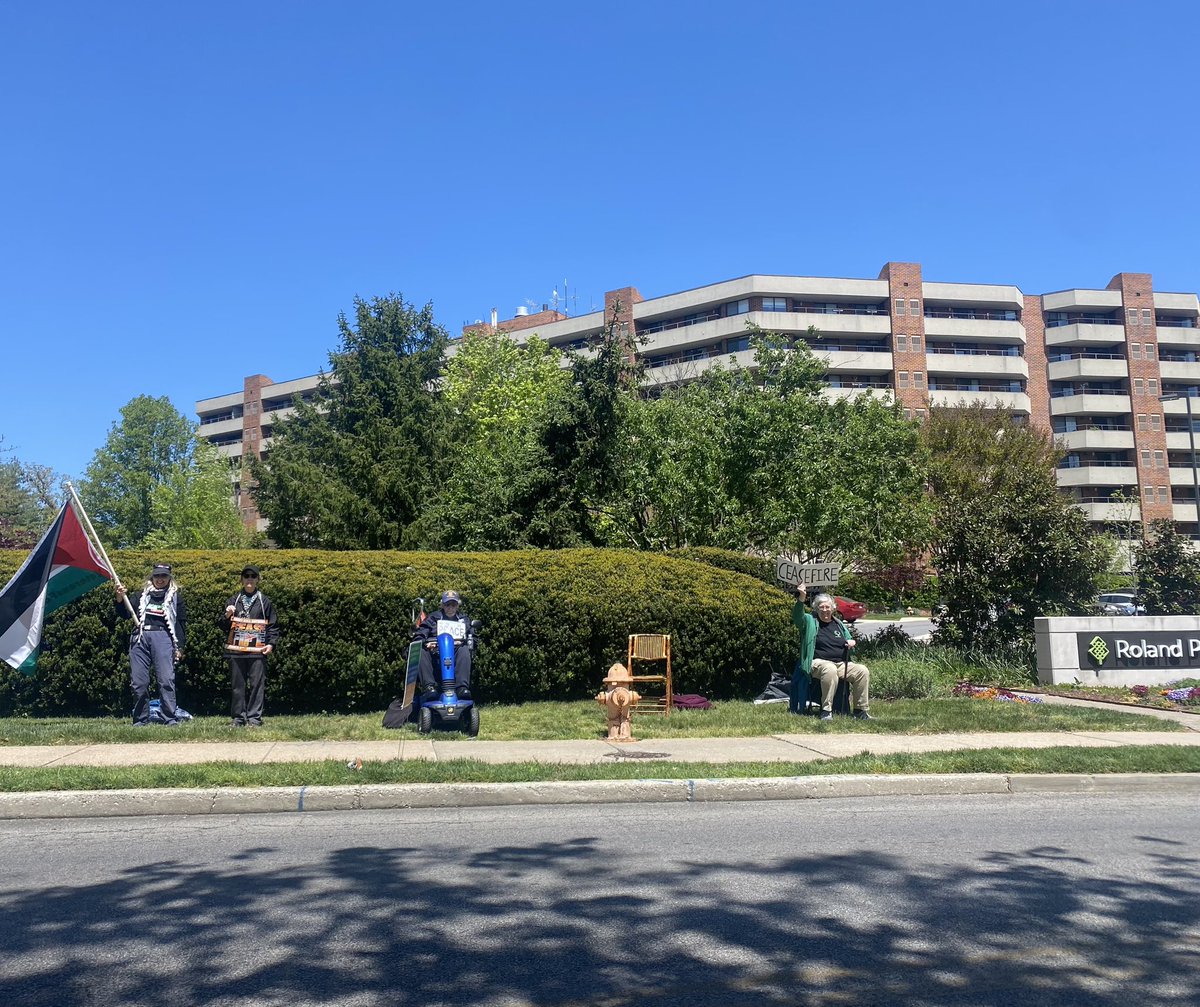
{"x": 290, "y": 800}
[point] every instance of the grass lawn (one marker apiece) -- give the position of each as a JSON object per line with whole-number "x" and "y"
{"x": 579, "y": 720}
{"x": 1147, "y": 759}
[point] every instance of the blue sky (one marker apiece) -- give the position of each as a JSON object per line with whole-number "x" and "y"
{"x": 190, "y": 193}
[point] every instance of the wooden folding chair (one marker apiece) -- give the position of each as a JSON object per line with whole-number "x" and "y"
{"x": 652, "y": 647}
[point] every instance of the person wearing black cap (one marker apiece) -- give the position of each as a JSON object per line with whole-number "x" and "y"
{"x": 157, "y": 641}
{"x": 249, "y": 642}
{"x": 464, "y": 645}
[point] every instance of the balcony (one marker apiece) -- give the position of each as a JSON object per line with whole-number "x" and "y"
{"x": 975, "y": 329}
{"x": 1180, "y": 440}
{"x": 1181, "y": 370}
{"x": 229, "y": 426}
{"x": 1014, "y": 402}
{"x": 1111, "y": 511}
{"x": 681, "y": 371}
{"x": 230, "y": 450}
{"x": 827, "y": 325}
{"x": 1090, "y": 404}
{"x": 1181, "y": 476}
{"x": 866, "y": 361}
{"x": 852, "y": 393}
{"x": 1087, "y": 366}
{"x": 1085, "y": 334}
{"x": 1098, "y": 475}
{"x": 976, "y": 365}
{"x": 1095, "y": 440}
{"x": 1173, "y": 336}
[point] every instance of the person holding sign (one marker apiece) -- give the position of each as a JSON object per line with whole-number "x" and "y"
{"x": 457, "y": 625}
{"x": 825, "y": 646}
{"x": 251, "y": 633}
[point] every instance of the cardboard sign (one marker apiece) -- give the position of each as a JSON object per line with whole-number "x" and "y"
{"x": 246, "y": 636}
{"x": 808, "y": 574}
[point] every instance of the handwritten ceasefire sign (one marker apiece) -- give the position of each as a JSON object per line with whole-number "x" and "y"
{"x": 808, "y": 574}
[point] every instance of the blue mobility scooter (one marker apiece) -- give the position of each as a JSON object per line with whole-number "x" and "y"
{"x": 447, "y": 709}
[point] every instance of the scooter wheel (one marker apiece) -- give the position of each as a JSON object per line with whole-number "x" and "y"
{"x": 425, "y": 720}
{"x": 471, "y": 722}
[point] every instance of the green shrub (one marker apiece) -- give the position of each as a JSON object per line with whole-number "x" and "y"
{"x": 728, "y": 559}
{"x": 553, "y": 621}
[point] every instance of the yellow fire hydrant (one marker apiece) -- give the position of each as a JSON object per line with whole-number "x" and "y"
{"x": 618, "y": 699}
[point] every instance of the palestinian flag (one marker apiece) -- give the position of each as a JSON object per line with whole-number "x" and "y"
{"x": 63, "y": 566}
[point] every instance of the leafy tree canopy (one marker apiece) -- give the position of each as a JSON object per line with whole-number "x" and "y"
{"x": 30, "y": 494}
{"x": 1007, "y": 545}
{"x": 354, "y": 469}
{"x": 1168, "y": 572}
{"x": 151, "y": 441}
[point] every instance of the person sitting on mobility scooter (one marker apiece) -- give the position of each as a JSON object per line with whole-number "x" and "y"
{"x": 447, "y": 637}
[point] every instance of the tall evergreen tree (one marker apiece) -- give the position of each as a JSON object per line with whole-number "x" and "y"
{"x": 354, "y": 469}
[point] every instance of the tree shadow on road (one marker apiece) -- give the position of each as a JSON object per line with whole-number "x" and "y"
{"x": 571, "y": 924}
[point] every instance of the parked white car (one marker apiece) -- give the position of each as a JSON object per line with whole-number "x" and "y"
{"x": 1120, "y": 603}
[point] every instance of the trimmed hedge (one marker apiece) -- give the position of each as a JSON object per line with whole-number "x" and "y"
{"x": 553, "y": 621}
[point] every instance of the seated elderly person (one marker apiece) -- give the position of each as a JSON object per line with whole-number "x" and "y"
{"x": 825, "y": 645}
{"x": 464, "y": 647}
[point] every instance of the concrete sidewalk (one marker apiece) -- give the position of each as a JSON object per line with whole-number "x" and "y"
{"x": 407, "y": 745}
{"x": 777, "y": 748}
{"x": 768, "y": 748}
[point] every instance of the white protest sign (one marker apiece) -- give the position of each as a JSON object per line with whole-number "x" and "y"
{"x": 808, "y": 574}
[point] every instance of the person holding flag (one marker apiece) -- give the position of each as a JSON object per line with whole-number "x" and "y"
{"x": 157, "y": 641}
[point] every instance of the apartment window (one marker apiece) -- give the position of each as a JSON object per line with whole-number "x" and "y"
{"x": 737, "y": 307}
{"x": 737, "y": 344}
{"x": 918, "y": 379}
{"x": 1152, "y": 387}
{"x": 1146, "y": 458}
{"x": 908, "y": 414}
{"x": 1141, "y": 421}
{"x": 903, "y": 382}
{"x": 902, "y": 344}
{"x": 1150, "y": 353}
{"x": 899, "y": 305}
{"x": 1155, "y": 422}
{"x": 1138, "y": 387}
{"x": 1147, "y": 316}
{"x": 774, "y": 304}
{"x": 914, "y": 307}
{"x": 1131, "y": 315}
{"x": 1149, "y": 494}
{"x": 1163, "y": 495}
{"x": 920, "y": 414}
{"x": 916, "y": 344}
{"x": 1135, "y": 351}
{"x": 1158, "y": 460}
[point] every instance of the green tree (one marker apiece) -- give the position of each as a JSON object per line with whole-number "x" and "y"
{"x": 759, "y": 459}
{"x": 498, "y": 396}
{"x": 354, "y": 469}
{"x": 149, "y": 443}
{"x": 193, "y": 507}
{"x": 30, "y": 494}
{"x": 1007, "y": 545}
{"x": 1168, "y": 572}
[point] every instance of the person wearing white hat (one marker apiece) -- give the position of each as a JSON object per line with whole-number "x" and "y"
{"x": 157, "y": 641}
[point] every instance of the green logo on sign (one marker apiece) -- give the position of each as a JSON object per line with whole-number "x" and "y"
{"x": 1098, "y": 649}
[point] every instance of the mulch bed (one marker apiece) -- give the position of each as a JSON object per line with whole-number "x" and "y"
{"x": 1152, "y": 699}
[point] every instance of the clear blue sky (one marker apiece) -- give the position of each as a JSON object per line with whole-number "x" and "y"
{"x": 192, "y": 192}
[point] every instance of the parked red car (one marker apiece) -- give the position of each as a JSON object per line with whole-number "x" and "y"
{"x": 849, "y": 610}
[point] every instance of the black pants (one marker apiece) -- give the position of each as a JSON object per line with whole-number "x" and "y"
{"x": 249, "y": 675}
{"x": 431, "y": 673}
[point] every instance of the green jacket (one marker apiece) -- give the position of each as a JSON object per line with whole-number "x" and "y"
{"x": 806, "y": 623}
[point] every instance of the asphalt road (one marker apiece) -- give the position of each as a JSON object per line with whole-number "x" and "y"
{"x": 969, "y": 900}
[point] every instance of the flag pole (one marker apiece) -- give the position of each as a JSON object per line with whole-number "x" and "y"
{"x": 98, "y": 544}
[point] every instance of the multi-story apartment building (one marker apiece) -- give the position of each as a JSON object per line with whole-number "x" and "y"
{"x": 1091, "y": 365}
